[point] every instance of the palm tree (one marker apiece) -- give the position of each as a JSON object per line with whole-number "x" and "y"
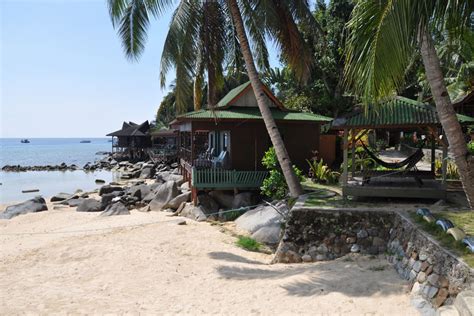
{"x": 274, "y": 18}
{"x": 384, "y": 35}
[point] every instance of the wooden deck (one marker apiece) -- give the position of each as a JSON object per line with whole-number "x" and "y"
{"x": 396, "y": 187}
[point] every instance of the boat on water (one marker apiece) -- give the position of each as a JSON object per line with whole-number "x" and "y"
{"x": 24, "y": 141}
{"x": 85, "y": 141}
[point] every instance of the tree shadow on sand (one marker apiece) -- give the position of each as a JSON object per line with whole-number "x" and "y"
{"x": 349, "y": 278}
{"x": 230, "y": 257}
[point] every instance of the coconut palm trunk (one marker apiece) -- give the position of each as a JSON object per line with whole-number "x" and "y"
{"x": 447, "y": 115}
{"x": 294, "y": 185}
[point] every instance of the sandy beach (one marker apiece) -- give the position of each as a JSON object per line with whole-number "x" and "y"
{"x": 61, "y": 261}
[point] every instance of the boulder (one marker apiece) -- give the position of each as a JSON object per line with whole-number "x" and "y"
{"x": 139, "y": 191}
{"x": 185, "y": 187}
{"x": 34, "y": 205}
{"x": 147, "y": 173}
{"x": 89, "y": 205}
{"x": 242, "y": 200}
{"x": 74, "y": 202}
{"x": 176, "y": 202}
{"x": 115, "y": 209}
{"x": 164, "y": 194}
{"x": 60, "y": 197}
{"x": 107, "y": 198}
{"x": 257, "y": 218}
{"x": 225, "y": 200}
{"x": 207, "y": 203}
{"x": 268, "y": 234}
{"x": 193, "y": 212}
{"x": 109, "y": 189}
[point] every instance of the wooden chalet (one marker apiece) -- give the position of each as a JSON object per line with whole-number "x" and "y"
{"x": 132, "y": 139}
{"x": 404, "y": 180}
{"x": 164, "y": 145}
{"x": 222, "y": 149}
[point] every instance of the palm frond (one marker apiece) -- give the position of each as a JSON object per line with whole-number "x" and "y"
{"x": 380, "y": 42}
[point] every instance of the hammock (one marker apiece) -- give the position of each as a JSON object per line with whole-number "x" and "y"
{"x": 409, "y": 162}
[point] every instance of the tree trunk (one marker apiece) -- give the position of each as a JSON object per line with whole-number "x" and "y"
{"x": 447, "y": 115}
{"x": 209, "y": 13}
{"x": 282, "y": 155}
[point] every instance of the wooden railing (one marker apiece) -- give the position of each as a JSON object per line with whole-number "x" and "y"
{"x": 226, "y": 179}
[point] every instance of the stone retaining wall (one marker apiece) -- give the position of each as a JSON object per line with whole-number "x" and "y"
{"x": 315, "y": 235}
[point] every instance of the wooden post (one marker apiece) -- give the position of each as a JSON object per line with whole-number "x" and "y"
{"x": 345, "y": 144}
{"x": 353, "y": 154}
{"x": 444, "y": 167}
{"x": 433, "y": 155}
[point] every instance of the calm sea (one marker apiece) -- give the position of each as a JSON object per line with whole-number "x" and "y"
{"x": 49, "y": 151}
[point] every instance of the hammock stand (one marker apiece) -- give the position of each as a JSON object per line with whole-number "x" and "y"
{"x": 409, "y": 163}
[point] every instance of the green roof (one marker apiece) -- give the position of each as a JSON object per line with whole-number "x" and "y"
{"x": 399, "y": 111}
{"x": 232, "y": 94}
{"x": 251, "y": 113}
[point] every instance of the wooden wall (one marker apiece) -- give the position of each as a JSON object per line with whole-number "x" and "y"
{"x": 250, "y": 140}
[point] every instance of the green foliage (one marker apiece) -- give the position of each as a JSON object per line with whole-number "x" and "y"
{"x": 248, "y": 243}
{"x": 321, "y": 173}
{"x": 362, "y": 160}
{"x": 274, "y": 185}
{"x": 470, "y": 147}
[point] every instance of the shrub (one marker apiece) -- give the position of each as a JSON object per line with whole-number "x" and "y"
{"x": 470, "y": 147}
{"x": 248, "y": 243}
{"x": 321, "y": 173}
{"x": 274, "y": 185}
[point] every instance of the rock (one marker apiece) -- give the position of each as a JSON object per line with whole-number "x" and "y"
{"x": 433, "y": 279}
{"x": 355, "y": 248}
{"x": 180, "y": 222}
{"x": 430, "y": 291}
{"x": 147, "y": 173}
{"x": 139, "y": 191}
{"x": 34, "y": 205}
{"x": 421, "y": 277}
{"x": 257, "y": 218}
{"x": 268, "y": 234}
{"x": 60, "y": 197}
{"x": 164, "y": 194}
{"x": 424, "y": 266}
{"x": 176, "y": 202}
{"x": 146, "y": 208}
{"x": 322, "y": 249}
{"x": 417, "y": 266}
{"x": 362, "y": 234}
{"x": 447, "y": 310}
{"x": 306, "y": 258}
{"x": 423, "y": 256}
{"x": 378, "y": 242}
{"x": 193, "y": 212}
{"x": 115, "y": 209}
{"x": 242, "y": 200}
{"x": 293, "y": 257}
{"x": 441, "y": 297}
{"x": 351, "y": 240}
{"x": 89, "y": 205}
{"x": 464, "y": 302}
{"x": 207, "y": 204}
{"x": 74, "y": 202}
{"x": 109, "y": 189}
{"x": 416, "y": 288}
{"x": 225, "y": 200}
{"x": 443, "y": 281}
{"x": 185, "y": 187}
{"x": 108, "y": 197}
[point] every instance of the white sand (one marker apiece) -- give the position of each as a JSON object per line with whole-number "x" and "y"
{"x": 79, "y": 263}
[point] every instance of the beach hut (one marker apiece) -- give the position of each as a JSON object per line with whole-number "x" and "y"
{"x": 223, "y": 148}
{"x": 400, "y": 178}
{"x": 132, "y": 139}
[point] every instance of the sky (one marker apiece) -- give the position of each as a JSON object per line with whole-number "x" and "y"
{"x": 63, "y": 72}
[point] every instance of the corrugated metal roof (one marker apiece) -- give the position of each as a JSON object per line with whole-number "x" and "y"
{"x": 232, "y": 94}
{"x": 241, "y": 113}
{"x": 399, "y": 111}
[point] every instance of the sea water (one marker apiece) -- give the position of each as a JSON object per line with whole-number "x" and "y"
{"x": 49, "y": 151}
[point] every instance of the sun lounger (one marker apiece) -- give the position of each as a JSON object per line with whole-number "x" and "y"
{"x": 469, "y": 241}
{"x": 457, "y": 233}
{"x": 445, "y": 224}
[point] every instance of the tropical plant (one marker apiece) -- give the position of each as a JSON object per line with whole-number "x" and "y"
{"x": 362, "y": 160}
{"x": 384, "y": 35}
{"x": 274, "y": 185}
{"x": 275, "y": 19}
{"x": 470, "y": 147}
{"x": 321, "y": 173}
